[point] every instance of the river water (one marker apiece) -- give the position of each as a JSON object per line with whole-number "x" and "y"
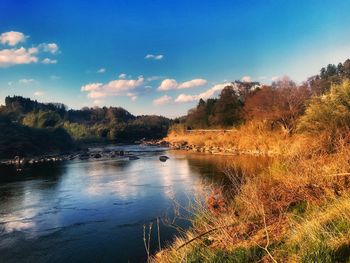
{"x": 95, "y": 210}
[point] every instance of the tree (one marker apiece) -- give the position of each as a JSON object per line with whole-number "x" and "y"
{"x": 346, "y": 68}
{"x": 340, "y": 69}
{"x": 329, "y": 112}
{"x": 321, "y": 84}
{"x": 280, "y": 105}
{"x": 227, "y": 109}
{"x": 198, "y": 117}
{"x": 331, "y": 70}
{"x": 42, "y": 119}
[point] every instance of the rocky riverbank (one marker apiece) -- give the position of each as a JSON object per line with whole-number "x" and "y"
{"x": 219, "y": 150}
{"x": 183, "y": 145}
{"x": 87, "y": 154}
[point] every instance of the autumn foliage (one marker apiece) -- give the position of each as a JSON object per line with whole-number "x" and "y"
{"x": 279, "y": 104}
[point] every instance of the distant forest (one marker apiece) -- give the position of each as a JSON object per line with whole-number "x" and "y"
{"x": 29, "y": 127}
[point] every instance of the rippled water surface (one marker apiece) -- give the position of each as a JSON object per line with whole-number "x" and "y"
{"x": 94, "y": 210}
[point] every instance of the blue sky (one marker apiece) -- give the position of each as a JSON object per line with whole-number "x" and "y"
{"x": 159, "y": 57}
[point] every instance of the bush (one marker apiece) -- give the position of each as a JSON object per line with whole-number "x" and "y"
{"x": 42, "y": 119}
{"x": 76, "y": 130}
{"x": 329, "y": 112}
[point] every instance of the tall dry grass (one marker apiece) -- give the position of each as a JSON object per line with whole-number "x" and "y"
{"x": 253, "y": 136}
{"x": 282, "y": 213}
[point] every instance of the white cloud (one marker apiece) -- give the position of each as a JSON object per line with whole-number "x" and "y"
{"x": 112, "y": 88}
{"x": 246, "y": 79}
{"x": 132, "y": 96}
{"x": 169, "y": 84}
{"x": 162, "y": 100}
{"x": 101, "y": 70}
{"x": 12, "y": 38}
{"x": 154, "y": 57}
{"x": 10, "y": 57}
{"x": 26, "y": 81}
{"x": 122, "y": 76}
{"x": 192, "y": 83}
{"x": 49, "y": 61}
{"x": 183, "y": 98}
{"x": 91, "y": 87}
{"x": 38, "y": 93}
{"x": 21, "y": 55}
{"x": 51, "y": 47}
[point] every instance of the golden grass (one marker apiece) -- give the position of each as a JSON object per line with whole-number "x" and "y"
{"x": 253, "y": 136}
{"x": 296, "y": 209}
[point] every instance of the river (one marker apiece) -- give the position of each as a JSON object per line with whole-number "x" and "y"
{"x": 95, "y": 210}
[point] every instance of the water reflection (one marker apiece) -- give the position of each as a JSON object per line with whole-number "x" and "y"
{"x": 18, "y": 221}
{"x": 94, "y": 211}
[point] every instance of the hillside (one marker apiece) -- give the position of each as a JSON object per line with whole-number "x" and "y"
{"x": 25, "y": 122}
{"x": 17, "y": 139}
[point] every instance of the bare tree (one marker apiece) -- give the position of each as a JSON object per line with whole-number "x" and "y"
{"x": 280, "y": 104}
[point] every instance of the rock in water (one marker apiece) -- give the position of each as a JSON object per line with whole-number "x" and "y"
{"x": 163, "y": 158}
{"x": 84, "y": 156}
{"x": 97, "y": 155}
{"x": 132, "y": 157}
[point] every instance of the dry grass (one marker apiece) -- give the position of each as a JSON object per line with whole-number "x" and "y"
{"x": 258, "y": 137}
{"x": 253, "y": 136}
{"x": 296, "y": 209}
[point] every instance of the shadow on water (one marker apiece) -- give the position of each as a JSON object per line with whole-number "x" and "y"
{"x": 107, "y": 166}
{"x": 48, "y": 171}
{"x": 213, "y": 169}
{"x": 14, "y": 183}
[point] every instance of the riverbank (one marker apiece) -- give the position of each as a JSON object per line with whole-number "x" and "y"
{"x": 92, "y": 152}
{"x": 252, "y": 139}
{"x": 296, "y": 209}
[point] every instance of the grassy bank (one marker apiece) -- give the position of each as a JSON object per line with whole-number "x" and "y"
{"x": 296, "y": 209}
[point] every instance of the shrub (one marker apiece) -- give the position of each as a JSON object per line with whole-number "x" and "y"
{"x": 329, "y": 112}
{"x": 42, "y": 119}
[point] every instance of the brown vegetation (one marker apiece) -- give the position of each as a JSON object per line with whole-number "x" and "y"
{"x": 296, "y": 209}
{"x": 280, "y": 104}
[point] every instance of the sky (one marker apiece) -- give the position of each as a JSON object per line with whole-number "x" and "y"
{"x": 160, "y": 57}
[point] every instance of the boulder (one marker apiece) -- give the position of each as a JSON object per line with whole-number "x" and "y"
{"x": 97, "y": 155}
{"x": 163, "y": 158}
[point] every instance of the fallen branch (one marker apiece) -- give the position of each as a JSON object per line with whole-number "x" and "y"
{"x": 202, "y": 234}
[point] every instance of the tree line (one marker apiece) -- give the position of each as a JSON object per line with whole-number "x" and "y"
{"x": 26, "y": 123}
{"x": 279, "y": 105}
